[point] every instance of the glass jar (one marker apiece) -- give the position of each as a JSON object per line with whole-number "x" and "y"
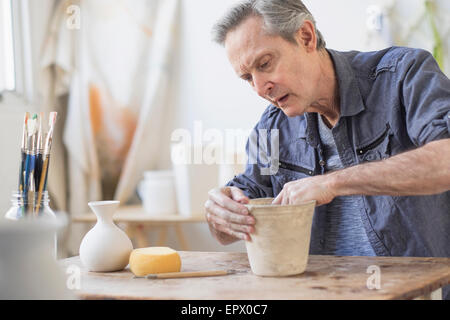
{"x": 25, "y": 207}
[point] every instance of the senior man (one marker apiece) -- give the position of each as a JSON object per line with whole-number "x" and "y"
{"x": 366, "y": 135}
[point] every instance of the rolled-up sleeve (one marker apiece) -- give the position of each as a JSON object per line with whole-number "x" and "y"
{"x": 426, "y": 98}
{"x": 448, "y": 123}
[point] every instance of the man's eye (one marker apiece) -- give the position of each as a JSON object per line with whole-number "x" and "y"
{"x": 264, "y": 65}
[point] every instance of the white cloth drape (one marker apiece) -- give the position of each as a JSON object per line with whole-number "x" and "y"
{"x": 116, "y": 70}
{"x": 56, "y": 70}
{"x": 147, "y": 141}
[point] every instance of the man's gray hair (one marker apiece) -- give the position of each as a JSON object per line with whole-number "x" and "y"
{"x": 281, "y": 17}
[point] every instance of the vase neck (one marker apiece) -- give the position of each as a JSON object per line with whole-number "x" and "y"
{"x": 104, "y": 219}
{"x": 104, "y": 210}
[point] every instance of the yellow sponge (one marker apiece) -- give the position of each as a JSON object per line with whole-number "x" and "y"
{"x": 151, "y": 260}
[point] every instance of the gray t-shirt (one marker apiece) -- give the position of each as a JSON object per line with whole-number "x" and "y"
{"x": 344, "y": 232}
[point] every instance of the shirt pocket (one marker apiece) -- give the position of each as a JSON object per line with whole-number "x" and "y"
{"x": 287, "y": 172}
{"x": 377, "y": 148}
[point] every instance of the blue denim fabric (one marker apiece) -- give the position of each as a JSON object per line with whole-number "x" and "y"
{"x": 392, "y": 101}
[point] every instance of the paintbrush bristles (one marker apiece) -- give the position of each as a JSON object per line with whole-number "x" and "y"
{"x": 40, "y": 143}
{"x": 25, "y": 131}
{"x": 31, "y": 127}
{"x": 52, "y": 118}
{"x": 48, "y": 141}
{"x": 32, "y": 130}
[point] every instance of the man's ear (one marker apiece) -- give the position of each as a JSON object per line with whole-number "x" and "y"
{"x": 306, "y": 36}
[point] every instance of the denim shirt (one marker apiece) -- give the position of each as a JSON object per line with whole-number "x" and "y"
{"x": 392, "y": 101}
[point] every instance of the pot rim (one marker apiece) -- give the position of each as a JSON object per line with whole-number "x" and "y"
{"x": 282, "y": 208}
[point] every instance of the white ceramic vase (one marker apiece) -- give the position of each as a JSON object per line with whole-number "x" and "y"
{"x": 105, "y": 247}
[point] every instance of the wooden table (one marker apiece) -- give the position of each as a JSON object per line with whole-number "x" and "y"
{"x": 326, "y": 277}
{"x": 138, "y": 222}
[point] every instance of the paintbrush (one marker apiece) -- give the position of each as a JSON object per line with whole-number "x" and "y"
{"x": 29, "y": 164}
{"x": 46, "y": 159}
{"x": 39, "y": 151}
{"x": 23, "y": 156}
{"x": 191, "y": 274}
{"x": 30, "y": 155}
{"x": 23, "y": 152}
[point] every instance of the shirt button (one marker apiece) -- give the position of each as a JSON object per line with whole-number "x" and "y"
{"x": 322, "y": 163}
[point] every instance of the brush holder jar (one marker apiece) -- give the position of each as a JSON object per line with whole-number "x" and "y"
{"x": 29, "y": 207}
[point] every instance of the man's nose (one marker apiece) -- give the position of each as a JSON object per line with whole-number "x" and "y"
{"x": 262, "y": 86}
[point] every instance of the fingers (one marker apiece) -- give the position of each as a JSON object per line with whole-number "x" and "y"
{"x": 223, "y": 226}
{"x": 230, "y": 226}
{"x": 238, "y": 195}
{"x": 231, "y": 232}
{"x": 288, "y": 197}
{"x": 283, "y": 197}
{"x": 300, "y": 191}
{"x": 223, "y": 198}
{"x": 278, "y": 199}
{"x": 226, "y": 215}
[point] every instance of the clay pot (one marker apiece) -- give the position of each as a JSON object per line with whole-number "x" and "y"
{"x": 105, "y": 247}
{"x": 280, "y": 244}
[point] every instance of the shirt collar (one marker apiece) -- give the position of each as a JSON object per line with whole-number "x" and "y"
{"x": 351, "y": 102}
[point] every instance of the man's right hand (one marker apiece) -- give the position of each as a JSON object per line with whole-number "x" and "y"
{"x": 228, "y": 218}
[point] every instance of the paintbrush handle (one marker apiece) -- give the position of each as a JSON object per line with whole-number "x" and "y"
{"x": 38, "y": 169}
{"x": 42, "y": 180}
{"x": 22, "y": 168}
{"x": 26, "y": 172}
{"x": 187, "y": 274}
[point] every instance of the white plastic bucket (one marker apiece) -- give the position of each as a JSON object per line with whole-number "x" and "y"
{"x": 157, "y": 191}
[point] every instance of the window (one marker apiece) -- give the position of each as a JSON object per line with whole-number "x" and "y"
{"x": 16, "y": 68}
{"x": 7, "y": 67}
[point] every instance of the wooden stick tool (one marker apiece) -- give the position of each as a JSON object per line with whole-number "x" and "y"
{"x": 191, "y": 274}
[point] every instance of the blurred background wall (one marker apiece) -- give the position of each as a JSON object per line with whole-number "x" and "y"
{"x": 204, "y": 87}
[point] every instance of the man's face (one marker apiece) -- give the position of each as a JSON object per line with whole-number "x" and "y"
{"x": 281, "y": 72}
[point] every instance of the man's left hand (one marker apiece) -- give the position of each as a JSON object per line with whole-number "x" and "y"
{"x": 315, "y": 188}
